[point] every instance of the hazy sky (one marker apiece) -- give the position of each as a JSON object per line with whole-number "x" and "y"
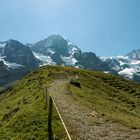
{"x": 106, "y": 27}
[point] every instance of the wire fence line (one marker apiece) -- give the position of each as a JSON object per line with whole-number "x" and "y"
{"x": 51, "y": 103}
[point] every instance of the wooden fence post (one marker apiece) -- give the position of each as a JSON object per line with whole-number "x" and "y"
{"x": 46, "y": 96}
{"x": 50, "y": 133}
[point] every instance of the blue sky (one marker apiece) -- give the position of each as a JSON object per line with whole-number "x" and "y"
{"x": 106, "y": 27}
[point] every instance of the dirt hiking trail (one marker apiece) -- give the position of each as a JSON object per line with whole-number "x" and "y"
{"x": 85, "y": 124}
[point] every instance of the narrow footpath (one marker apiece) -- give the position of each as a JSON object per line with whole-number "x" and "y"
{"x": 85, "y": 124}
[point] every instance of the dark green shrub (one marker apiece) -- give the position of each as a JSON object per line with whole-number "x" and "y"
{"x": 75, "y": 82}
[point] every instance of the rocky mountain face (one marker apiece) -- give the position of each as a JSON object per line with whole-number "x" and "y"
{"x": 89, "y": 60}
{"x": 14, "y": 52}
{"x": 127, "y": 66}
{"x": 16, "y": 60}
{"x": 57, "y": 50}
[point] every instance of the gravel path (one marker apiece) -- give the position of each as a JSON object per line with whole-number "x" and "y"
{"x": 85, "y": 124}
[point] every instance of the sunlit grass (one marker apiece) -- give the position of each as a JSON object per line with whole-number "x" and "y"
{"x": 22, "y": 107}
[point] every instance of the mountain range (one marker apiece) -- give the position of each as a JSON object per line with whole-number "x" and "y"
{"x": 17, "y": 59}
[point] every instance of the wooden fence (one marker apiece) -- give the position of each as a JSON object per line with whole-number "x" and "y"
{"x": 49, "y": 101}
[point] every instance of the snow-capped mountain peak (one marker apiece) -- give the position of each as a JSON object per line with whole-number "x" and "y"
{"x": 135, "y": 54}
{"x": 59, "y": 50}
{"x": 2, "y": 45}
{"x": 127, "y": 66}
{"x": 14, "y": 54}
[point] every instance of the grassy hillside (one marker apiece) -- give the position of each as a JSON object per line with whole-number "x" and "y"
{"x": 22, "y": 110}
{"x": 22, "y": 107}
{"x": 111, "y": 96}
